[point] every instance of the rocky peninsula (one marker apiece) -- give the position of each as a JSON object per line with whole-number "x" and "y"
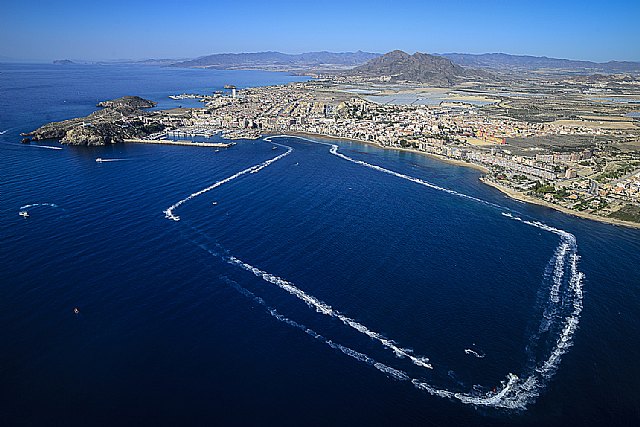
{"x": 119, "y": 119}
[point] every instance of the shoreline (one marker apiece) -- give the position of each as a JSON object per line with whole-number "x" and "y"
{"x": 520, "y": 196}
{"x": 408, "y": 150}
{"x": 509, "y": 192}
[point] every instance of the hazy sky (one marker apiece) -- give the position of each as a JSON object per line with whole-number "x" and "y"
{"x": 114, "y": 29}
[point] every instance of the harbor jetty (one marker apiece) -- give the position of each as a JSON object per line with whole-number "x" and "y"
{"x": 181, "y": 142}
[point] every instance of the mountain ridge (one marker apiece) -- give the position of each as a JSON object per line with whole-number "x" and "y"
{"x": 273, "y": 58}
{"x": 398, "y": 65}
{"x": 501, "y": 61}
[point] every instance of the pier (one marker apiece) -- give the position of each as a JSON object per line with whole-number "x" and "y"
{"x": 188, "y": 143}
{"x": 192, "y": 131}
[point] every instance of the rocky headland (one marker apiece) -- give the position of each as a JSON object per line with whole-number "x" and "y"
{"x": 119, "y": 119}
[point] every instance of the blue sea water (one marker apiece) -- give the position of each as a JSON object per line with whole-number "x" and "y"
{"x": 223, "y": 317}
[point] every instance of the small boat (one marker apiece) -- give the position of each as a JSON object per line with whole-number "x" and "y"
{"x": 274, "y": 148}
{"x": 76, "y": 310}
{"x": 99, "y": 160}
{"x": 214, "y": 203}
{"x": 217, "y": 150}
{"x": 24, "y": 214}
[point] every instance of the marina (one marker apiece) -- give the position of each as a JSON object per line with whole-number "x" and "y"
{"x": 181, "y": 142}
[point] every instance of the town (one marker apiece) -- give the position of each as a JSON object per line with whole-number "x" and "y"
{"x": 591, "y": 178}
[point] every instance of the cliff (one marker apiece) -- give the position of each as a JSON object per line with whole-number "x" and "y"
{"x": 118, "y": 120}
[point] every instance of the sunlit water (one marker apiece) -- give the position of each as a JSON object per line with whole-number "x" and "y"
{"x": 291, "y": 281}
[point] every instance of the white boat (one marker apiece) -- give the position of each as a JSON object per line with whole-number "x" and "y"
{"x": 24, "y": 214}
{"x": 99, "y": 160}
{"x": 214, "y": 203}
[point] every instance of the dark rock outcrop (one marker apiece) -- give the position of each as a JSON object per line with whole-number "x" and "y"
{"x": 118, "y": 120}
{"x": 127, "y": 102}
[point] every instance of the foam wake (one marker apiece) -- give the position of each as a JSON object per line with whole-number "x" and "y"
{"x": 324, "y": 308}
{"x": 46, "y": 146}
{"x": 564, "y": 300}
{"x": 169, "y": 212}
{"x": 334, "y": 150}
{"x": 473, "y": 352}
{"x": 361, "y": 357}
{"x": 33, "y": 205}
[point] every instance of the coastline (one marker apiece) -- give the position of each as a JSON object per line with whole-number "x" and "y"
{"x": 517, "y": 195}
{"x": 408, "y": 150}
{"x": 509, "y": 192}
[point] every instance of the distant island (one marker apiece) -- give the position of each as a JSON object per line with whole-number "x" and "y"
{"x": 63, "y": 62}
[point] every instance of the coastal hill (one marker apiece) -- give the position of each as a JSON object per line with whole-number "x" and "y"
{"x": 503, "y": 61}
{"x": 63, "y": 62}
{"x": 280, "y": 61}
{"x": 116, "y": 121}
{"x": 419, "y": 67}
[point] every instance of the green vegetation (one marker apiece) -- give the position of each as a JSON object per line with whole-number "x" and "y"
{"x": 627, "y": 213}
{"x": 543, "y": 188}
{"x": 561, "y": 193}
{"x": 617, "y": 173}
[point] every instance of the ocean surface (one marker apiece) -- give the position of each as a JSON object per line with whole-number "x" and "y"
{"x": 289, "y": 281}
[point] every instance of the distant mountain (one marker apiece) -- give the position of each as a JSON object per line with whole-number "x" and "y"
{"x": 503, "y": 61}
{"x": 278, "y": 60}
{"x": 63, "y": 62}
{"x": 419, "y": 67}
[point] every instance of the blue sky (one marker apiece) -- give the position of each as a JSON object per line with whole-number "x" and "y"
{"x": 114, "y": 29}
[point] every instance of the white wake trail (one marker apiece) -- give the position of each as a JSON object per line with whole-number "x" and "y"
{"x": 361, "y": 357}
{"x": 32, "y": 205}
{"x": 475, "y": 353}
{"x": 514, "y": 392}
{"x": 45, "y": 146}
{"x": 334, "y": 150}
{"x": 324, "y": 308}
{"x": 169, "y": 212}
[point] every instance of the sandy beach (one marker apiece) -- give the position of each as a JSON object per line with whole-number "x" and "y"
{"x": 517, "y": 195}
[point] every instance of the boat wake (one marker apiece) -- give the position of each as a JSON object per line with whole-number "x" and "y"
{"x": 561, "y": 300}
{"x": 475, "y": 353}
{"x": 49, "y": 147}
{"x": 33, "y": 205}
{"x": 324, "y": 308}
{"x": 169, "y": 212}
{"x": 392, "y": 372}
{"x": 102, "y": 160}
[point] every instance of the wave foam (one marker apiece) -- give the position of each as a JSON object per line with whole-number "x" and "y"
{"x": 361, "y": 357}
{"x": 324, "y": 308}
{"x": 33, "y": 205}
{"x": 168, "y": 213}
{"x": 475, "y": 353}
{"x": 514, "y": 392}
{"x": 46, "y": 146}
